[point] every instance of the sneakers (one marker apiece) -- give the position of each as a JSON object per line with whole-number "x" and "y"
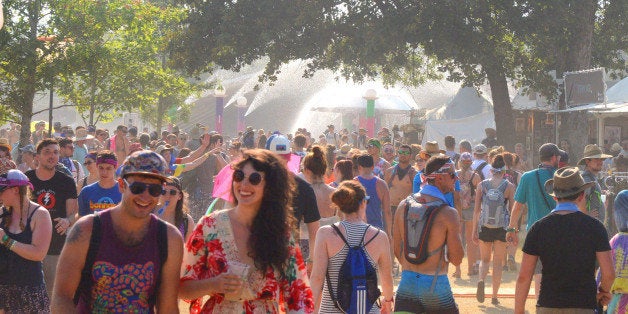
{"x": 494, "y": 301}
{"x": 479, "y": 293}
{"x": 512, "y": 265}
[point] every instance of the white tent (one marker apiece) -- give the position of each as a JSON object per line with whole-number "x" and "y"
{"x": 465, "y": 116}
{"x": 467, "y": 102}
{"x": 618, "y": 93}
{"x": 470, "y": 128}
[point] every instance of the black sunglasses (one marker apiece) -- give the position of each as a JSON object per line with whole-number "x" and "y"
{"x": 139, "y": 188}
{"x": 254, "y": 178}
{"x": 171, "y": 192}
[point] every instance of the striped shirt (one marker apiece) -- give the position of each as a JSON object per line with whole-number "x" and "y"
{"x": 354, "y": 232}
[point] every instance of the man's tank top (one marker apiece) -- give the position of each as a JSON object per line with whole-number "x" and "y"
{"x": 374, "y": 206}
{"x": 22, "y": 272}
{"x": 124, "y": 277}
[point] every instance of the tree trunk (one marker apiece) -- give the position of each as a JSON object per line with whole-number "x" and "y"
{"x": 502, "y": 108}
{"x": 574, "y": 125}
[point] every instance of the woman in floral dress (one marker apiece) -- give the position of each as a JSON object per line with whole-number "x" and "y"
{"x": 255, "y": 236}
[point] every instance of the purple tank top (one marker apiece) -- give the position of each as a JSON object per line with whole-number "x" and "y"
{"x": 124, "y": 277}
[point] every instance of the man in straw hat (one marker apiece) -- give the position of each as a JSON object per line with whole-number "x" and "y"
{"x": 132, "y": 242}
{"x": 569, "y": 243}
{"x": 592, "y": 162}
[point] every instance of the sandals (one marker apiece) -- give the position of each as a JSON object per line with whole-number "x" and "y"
{"x": 479, "y": 293}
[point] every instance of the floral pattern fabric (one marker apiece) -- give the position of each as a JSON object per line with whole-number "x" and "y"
{"x": 212, "y": 247}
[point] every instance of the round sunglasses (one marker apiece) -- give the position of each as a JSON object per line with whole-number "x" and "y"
{"x": 172, "y": 192}
{"x": 255, "y": 178}
{"x": 139, "y": 188}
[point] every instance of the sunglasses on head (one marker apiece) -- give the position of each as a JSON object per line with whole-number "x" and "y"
{"x": 172, "y": 192}
{"x": 154, "y": 189}
{"x": 254, "y": 178}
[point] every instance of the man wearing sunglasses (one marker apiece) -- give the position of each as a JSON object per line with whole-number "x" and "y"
{"x": 133, "y": 243}
{"x": 399, "y": 177}
{"x": 424, "y": 287}
{"x": 103, "y": 193}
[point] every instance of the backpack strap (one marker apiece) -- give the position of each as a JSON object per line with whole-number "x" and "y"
{"x": 85, "y": 283}
{"x": 538, "y": 180}
{"x": 471, "y": 186}
{"x": 162, "y": 243}
{"x": 480, "y": 168}
{"x": 392, "y": 175}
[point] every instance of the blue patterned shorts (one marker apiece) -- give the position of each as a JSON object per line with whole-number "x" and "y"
{"x": 414, "y": 294}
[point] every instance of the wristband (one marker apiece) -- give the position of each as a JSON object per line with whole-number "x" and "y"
{"x": 10, "y": 246}
{"x": 5, "y": 239}
{"x": 391, "y": 300}
{"x": 511, "y": 230}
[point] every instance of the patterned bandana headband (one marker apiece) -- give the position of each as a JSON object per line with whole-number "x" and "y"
{"x": 444, "y": 169}
{"x": 103, "y": 160}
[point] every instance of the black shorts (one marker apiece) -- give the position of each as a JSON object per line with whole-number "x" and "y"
{"x": 492, "y": 234}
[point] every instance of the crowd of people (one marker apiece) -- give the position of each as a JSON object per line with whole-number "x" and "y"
{"x": 265, "y": 222}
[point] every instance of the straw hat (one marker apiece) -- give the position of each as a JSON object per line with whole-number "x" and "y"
{"x": 432, "y": 148}
{"x": 592, "y": 151}
{"x": 567, "y": 181}
{"x": 5, "y": 143}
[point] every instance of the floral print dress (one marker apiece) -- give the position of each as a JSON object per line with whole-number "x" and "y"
{"x": 212, "y": 247}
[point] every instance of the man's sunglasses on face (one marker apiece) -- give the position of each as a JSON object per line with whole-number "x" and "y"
{"x": 136, "y": 188}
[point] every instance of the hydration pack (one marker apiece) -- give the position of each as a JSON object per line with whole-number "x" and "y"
{"x": 419, "y": 219}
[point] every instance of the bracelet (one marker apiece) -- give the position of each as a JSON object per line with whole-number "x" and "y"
{"x": 10, "y": 246}
{"x": 5, "y": 239}
{"x": 391, "y": 300}
{"x": 512, "y": 230}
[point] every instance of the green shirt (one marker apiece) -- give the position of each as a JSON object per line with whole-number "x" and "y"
{"x": 529, "y": 192}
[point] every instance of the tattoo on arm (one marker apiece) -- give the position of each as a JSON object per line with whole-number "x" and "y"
{"x": 74, "y": 235}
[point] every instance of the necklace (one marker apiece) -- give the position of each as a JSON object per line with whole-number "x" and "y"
{"x": 22, "y": 214}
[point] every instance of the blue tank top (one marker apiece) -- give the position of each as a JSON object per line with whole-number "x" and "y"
{"x": 22, "y": 272}
{"x": 374, "y": 206}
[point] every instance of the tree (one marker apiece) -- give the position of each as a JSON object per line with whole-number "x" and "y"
{"x": 573, "y": 35}
{"x": 28, "y": 51}
{"x": 471, "y": 41}
{"x": 115, "y": 60}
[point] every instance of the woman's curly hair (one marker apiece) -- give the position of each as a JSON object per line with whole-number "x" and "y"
{"x": 270, "y": 232}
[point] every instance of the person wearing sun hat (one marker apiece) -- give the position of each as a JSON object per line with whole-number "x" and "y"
{"x": 25, "y": 231}
{"x": 570, "y": 243}
{"x": 5, "y": 156}
{"x": 592, "y": 160}
{"x": 128, "y": 227}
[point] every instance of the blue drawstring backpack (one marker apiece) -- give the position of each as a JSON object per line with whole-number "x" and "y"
{"x": 357, "y": 288}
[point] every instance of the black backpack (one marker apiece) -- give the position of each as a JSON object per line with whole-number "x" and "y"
{"x": 357, "y": 279}
{"x": 85, "y": 284}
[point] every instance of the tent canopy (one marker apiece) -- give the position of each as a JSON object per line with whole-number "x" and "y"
{"x": 350, "y": 99}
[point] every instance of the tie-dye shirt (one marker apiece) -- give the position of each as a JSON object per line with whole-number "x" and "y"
{"x": 619, "y": 249}
{"x": 210, "y": 250}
